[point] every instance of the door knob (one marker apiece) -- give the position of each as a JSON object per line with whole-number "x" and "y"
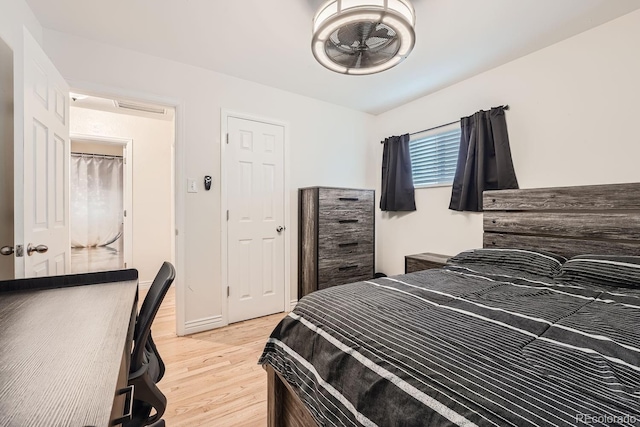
{"x": 6, "y": 250}
{"x": 40, "y": 249}
{"x": 279, "y": 229}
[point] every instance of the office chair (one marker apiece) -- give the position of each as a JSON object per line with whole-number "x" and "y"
{"x": 147, "y": 367}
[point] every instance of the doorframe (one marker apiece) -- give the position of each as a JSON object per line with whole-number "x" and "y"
{"x": 127, "y": 144}
{"x": 177, "y": 172}
{"x": 225, "y": 114}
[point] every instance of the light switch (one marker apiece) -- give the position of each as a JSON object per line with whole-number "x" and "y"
{"x": 192, "y": 186}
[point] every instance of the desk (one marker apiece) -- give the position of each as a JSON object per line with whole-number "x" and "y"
{"x": 64, "y": 351}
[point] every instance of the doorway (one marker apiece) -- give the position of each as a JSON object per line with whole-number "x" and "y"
{"x": 101, "y": 171}
{"x": 142, "y": 136}
{"x": 254, "y": 196}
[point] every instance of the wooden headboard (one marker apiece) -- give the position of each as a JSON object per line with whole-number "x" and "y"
{"x": 594, "y": 219}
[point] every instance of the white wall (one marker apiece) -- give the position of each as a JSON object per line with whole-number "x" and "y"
{"x": 15, "y": 14}
{"x": 573, "y": 121}
{"x": 152, "y": 196}
{"x": 328, "y": 145}
{"x": 94, "y": 148}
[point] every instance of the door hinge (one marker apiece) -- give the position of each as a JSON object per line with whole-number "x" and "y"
{"x": 228, "y": 292}
{"x": 227, "y": 214}
{"x": 125, "y": 213}
{"x": 124, "y": 160}
{"x": 176, "y": 231}
{"x": 227, "y": 138}
{"x": 125, "y": 265}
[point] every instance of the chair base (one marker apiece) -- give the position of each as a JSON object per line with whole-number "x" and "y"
{"x": 147, "y": 396}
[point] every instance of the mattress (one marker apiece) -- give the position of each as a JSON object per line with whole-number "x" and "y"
{"x": 463, "y": 346}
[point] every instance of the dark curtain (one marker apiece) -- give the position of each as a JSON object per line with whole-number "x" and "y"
{"x": 484, "y": 160}
{"x": 397, "y": 179}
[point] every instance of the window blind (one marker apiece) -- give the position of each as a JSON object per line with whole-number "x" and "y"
{"x": 434, "y": 158}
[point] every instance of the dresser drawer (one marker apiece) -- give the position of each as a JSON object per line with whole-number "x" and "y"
{"x": 332, "y": 249}
{"x": 337, "y": 280}
{"x": 346, "y": 214}
{"x": 345, "y": 204}
{"x": 330, "y": 238}
{"x": 346, "y": 255}
{"x": 351, "y": 196}
{"x": 348, "y": 222}
{"x": 332, "y": 272}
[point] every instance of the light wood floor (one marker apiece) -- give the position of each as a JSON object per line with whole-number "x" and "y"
{"x": 212, "y": 378}
{"x": 86, "y": 260}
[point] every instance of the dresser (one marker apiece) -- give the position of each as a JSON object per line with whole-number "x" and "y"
{"x": 336, "y": 237}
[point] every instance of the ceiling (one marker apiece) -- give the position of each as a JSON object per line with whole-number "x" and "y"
{"x": 269, "y": 42}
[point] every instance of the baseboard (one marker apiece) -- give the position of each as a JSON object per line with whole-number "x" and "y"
{"x": 293, "y": 304}
{"x": 204, "y": 324}
{"x": 145, "y": 284}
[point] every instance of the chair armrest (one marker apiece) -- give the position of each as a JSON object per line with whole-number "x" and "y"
{"x": 139, "y": 373}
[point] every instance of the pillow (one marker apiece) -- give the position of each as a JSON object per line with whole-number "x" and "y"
{"x": 609, "y": 270}
{"x": 536, "y": 262}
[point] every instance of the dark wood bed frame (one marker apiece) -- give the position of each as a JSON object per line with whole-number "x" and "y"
{"x": 569, "y": 221}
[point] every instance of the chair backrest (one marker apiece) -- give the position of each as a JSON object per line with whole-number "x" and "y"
{"x": 148, "y": 311}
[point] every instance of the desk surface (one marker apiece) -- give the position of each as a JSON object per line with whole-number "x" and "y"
{"x": 60, "y": 353}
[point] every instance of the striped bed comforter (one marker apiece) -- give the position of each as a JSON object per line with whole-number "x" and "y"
{"x": 457, "y": 346}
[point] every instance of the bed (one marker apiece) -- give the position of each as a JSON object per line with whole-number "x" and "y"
{"x": 495, "y": 338}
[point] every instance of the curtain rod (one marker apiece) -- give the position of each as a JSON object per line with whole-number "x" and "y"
{"x": 506, "y": 107}
{"x": 96, "y": 155}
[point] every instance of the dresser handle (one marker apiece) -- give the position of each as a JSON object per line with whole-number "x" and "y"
{"x": 342, "y": 245}
{"x": 349, "y": 199}
{"x": 347, "y": 221}
{"x": 128, "y": 391}
{"x": 348, "y": 267}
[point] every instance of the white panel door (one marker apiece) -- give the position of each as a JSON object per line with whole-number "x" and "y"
{"x": 6, "y": 161}
{"x": 255, "y": 233}
{"x": 44, "y": 194}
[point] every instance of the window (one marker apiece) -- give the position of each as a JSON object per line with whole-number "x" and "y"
{"x": 434, "y": 158}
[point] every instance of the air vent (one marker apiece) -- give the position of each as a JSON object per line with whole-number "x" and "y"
{"x": 140, "y": 107}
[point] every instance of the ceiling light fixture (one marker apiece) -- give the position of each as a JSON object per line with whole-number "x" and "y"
{"x": 363, "y": 37}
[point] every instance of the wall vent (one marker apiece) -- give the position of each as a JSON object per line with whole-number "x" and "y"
{"x": 140, "y": 107}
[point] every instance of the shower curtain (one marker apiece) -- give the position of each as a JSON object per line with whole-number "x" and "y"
{"x": 96, "y": 200}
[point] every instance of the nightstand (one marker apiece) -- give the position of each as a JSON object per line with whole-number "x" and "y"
{"x": 424, "y": 261}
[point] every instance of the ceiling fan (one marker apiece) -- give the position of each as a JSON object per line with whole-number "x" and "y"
{"x": 363, "y": 37}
